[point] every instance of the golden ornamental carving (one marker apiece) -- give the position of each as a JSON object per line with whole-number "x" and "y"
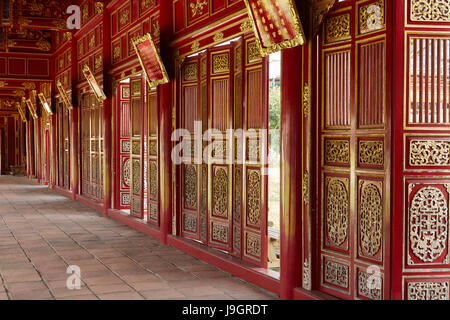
{"x": 254, "y": 197}
{"x": 99, "y": 7}
{"x": 197, "y": 7}
{"x": 337, "y": 211}
{"x": 306, "y": 275}
{"x": 153, "y": 174}
{"x": 156, "y": 30}
{"x": 92, "y": 42}
{"x": 136, "y": 173}
{"x": 428, "y": 290}
{"x": 126, "y": 173}
{"x": 372, "y": 17}
{"x": 306, "y": 100}
{"x": 204, "y": 201}
{"x": 116, "y": 53}
{"x": 190, "y": 72}
{"x": 428, "y": 224}
{"x": 337, "y": 151}
{"x": 336, "y": 273}
{"x": 430, "y": 10}
{"x": 220, "y": 192}
{"x": 221, "y": 63}
{"x": 195, "y": 45}
{"x": 253, "y": 54}
{"x": 85, "y": 11}
{"x": 371, "y": 219}
{"x": 124, "y": 17}
{"x": 190, "y": 186}
{"x": 219, "y": 233}
{"x": 136, "y": 148}
{"x": 305, "y": 188}
{"x": 237, "y": 195}
{"x": 146, "y": 3}
{"x": 364, "y": 289}
{"x": 338, "y": 28}
{"x": 371, "y": 152}
{"x": 29, "y": 85}
{"x": 153, "y": 148}
{"x": 189, "y": 223}
{"x": 68, "y": 35}
{"x": 44, "y": 45}
{"x": 98, "y": 63}
{"x": 246, "y": 25}
{"x": 4, "y": 84}
{"x": 218, "y": 37}
{"x": 253, "y": 245}
{"x": 429, "y": 153}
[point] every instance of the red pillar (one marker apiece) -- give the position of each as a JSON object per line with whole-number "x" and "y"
{"x": 74, "y": 152}
{"x": 38, "y": 150}
{"x": 165, "y": 123}
{"x": 54, "y": 151}
{"x": 291, "y": 171}
{"x": 28, "y": 153}
{"x": 107, "y": 113}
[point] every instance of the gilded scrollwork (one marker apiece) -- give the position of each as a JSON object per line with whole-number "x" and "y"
{"x": 190, "y": 186}
{"x": 190, "y": 72}
{"x": 338, "y": 28}
{"x": 429, "y": 153}
{"x": 220, "y": 192}
{"x": 336, "y": 273}
{"x": 430, "y": 10}
{"x": 189, "y": 223}
{"x": 428, "y": 290}
{"x": 364, "y": 288}
{"x": 126, "y": 173}
{"x": 253, "y": 245}
{"x": 136, "y": 173}
{"x": 371, "y": 152}
{"x": 337, "y": 151}
{"x": 153, "y": 175}
{"x": 337, "y": 210}
{"x": 371, "y": 17}
{"x": 428, "y": 224}
{"x": 371, "y": 219}
{"x": 219, "y": 233}
{"x": 254, "y": 197}
{"x": 221, "y": 63}
{"x": 306, "y": 275}
{"x": 306, "y": 100}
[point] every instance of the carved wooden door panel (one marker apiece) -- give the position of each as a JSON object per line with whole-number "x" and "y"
{"x": 255, "y": 123}
{"x": 85, "y": 145}
{"x": 190, "y": 170}
{"x": 66, "y": 118}
{"x": 137, "y": 168}
{"x": 123, "y": 178}
{"x": 220, "y": 171}
{"x": 354, "y": 151}
{"x": 153, "y": 159}
{"x": 421, "y": 182}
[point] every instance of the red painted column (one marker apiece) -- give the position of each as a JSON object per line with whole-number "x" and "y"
{"x": 291, "y": 171}
{"x": 54, "y": 151}
{"x": 27, "y": 139}
{"x": 74, "y": 139}
{"x": 165, "y": 122}
{"x": 38, "y": 150}
{"x": 107, "y": 113}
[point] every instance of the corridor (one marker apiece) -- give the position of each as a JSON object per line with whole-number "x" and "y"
{"x": 42, "y": 233}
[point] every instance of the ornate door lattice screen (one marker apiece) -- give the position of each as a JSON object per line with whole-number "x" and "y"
{"x": 153, "y": 159}
{"x": 92, "y": 148}
{"x": 422, "y": 181}
{"x": 224, "y": 203}
{"x": 64, "y": 146}
{"x": 354, "y": 136}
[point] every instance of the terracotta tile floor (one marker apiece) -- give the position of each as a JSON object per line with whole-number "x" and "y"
{"x": 43, "y": 232}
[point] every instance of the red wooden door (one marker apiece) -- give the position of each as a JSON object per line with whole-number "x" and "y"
{"x": 421, "y": 158}
{"x": 123, "y": 146}
{"x": 354, "y": 148}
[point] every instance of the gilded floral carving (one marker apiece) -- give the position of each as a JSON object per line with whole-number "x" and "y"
{"x": 337, "y": 151}
{"x": 220, "y": 192}
{"x": 221, "y": 63}
{"x": 153, "y": 175}
{"x": 189, "y": 223}
{"x": 254, "y": 197}
{"x": 253, "y": 245}
{"x": 190, "y": 72}
{"x": 219, "y": 233}
{"x": 338, "y": 28}
{"x": 190, "y": 186}
{"x": 371, "y": 17}
{"x": 337, "y": 210}
{"x": 370, "y": 219}
{"x": 371, "y": 152}
{"x": 430, "y": 10}
{"x": 429, "y": 153}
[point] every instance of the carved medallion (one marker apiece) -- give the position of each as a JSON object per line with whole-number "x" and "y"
{"x": 370, "y": 219}
{"x": 337, "y": 211}
{"x": 254, "y": 197}
{"x": 190, "y": 186}
{"x": 126, "y": 174}
{"x": 428, "y": 224}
